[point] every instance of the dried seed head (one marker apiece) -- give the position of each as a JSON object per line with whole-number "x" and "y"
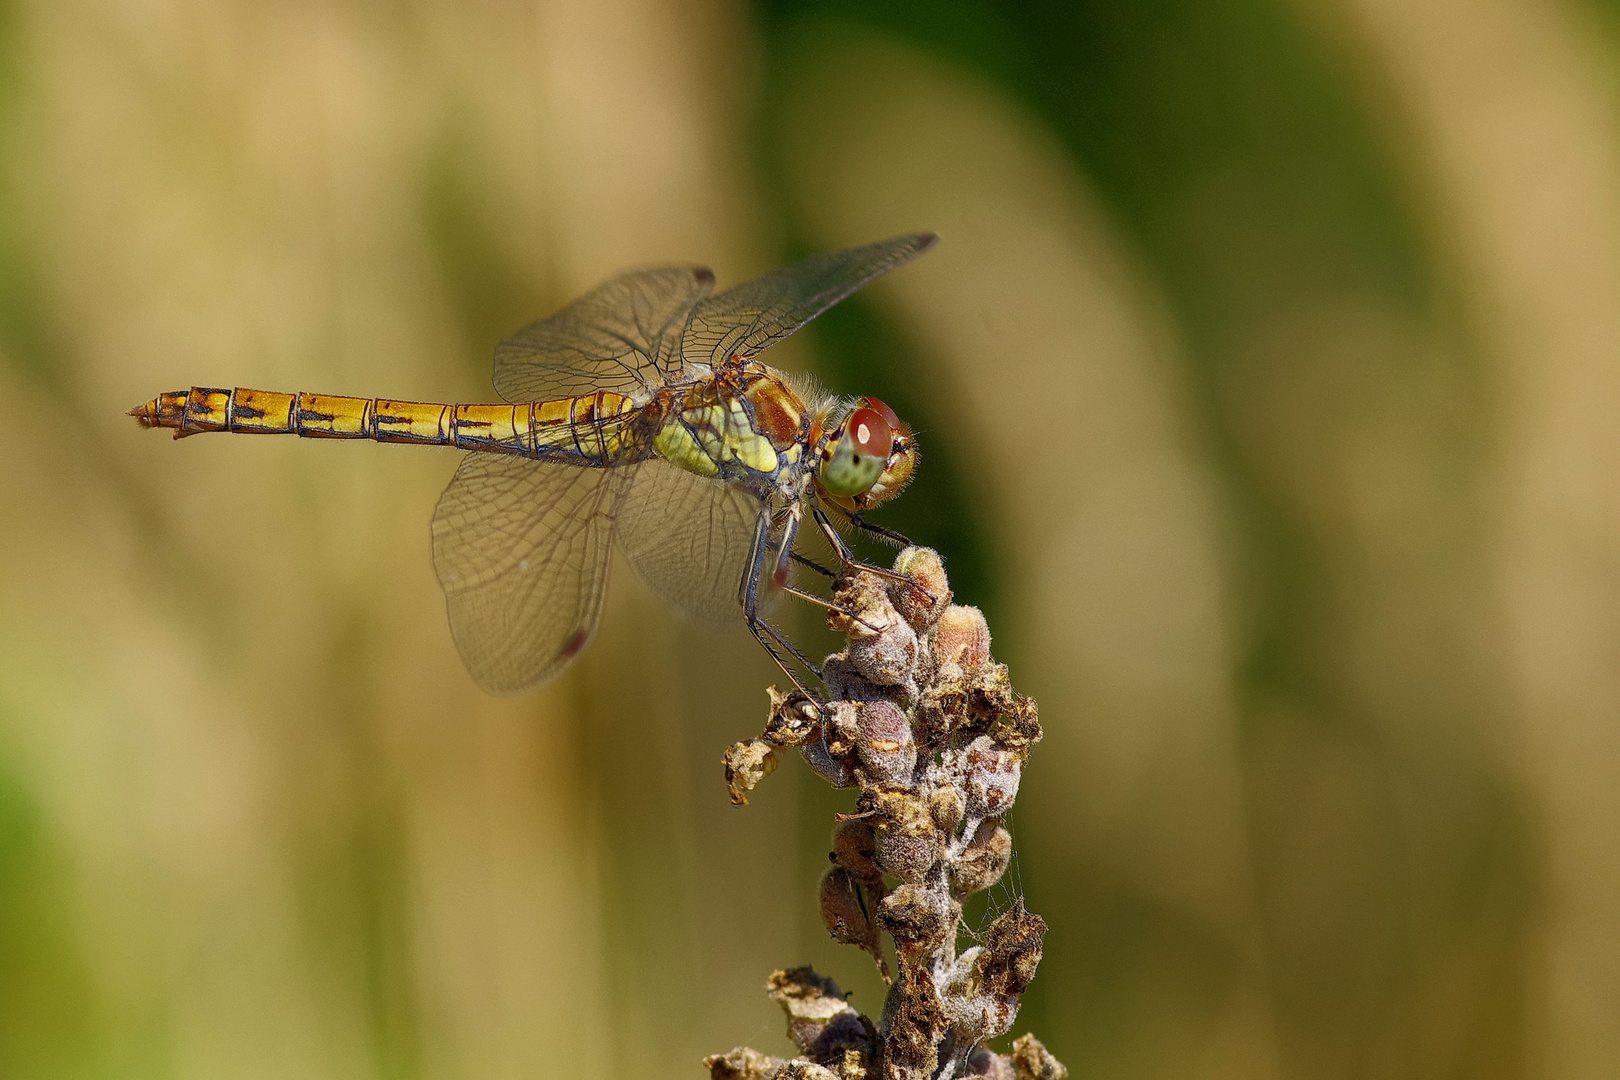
{"x": 906, "y": 840}
{"x": 883, "y": 738}
{"x": 854, "y": 847}
{"x": 1012, "y": 952}
{"x": 743, "y": 1064}
{"x": 845, "y": 683}
{"x": 920, "y": 604}
{"x": 799, "y": 1069}
{"x": 820, "y": 1022}
{"x": 990, "y": 777}
{"x": 946, "y": 806}
{"x": 886, "y": 659}
{"x": 983, "y": 861}
{"x": 747, "y": 763}
{"x": 962, "y": 638}
{"x": 1031, "y": 1061}
{"x": 919, "y": 919}
{"x": 843, "y": 910}
{"x": 792, "y": 720}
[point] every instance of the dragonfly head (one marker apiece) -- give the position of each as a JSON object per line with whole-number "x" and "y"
{"x": 867, "y": 459}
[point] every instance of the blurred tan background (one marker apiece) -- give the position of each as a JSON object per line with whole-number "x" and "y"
{"x": 1269, "y": 386}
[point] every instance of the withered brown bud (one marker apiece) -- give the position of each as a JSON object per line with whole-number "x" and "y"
{"x": 843, "y": 910}
{"x": 844, "y": 683}
{"x": 799, "y": 1069}
{"x": 907, "y": 842}
{"x": 946, "y": 806}
{"x": 1012, "y": 952}
{"x": 792, "y": 720}
{"x": 888, "y": 658}
{"x": 883, "y": 738}
{"x": 983, "y": 861}
{"x": 837, "y": 769}
{"x": 747, "y": 763}
{"x": 821, "y": 1023}
{"x": 743, "y": 1064}
{"x": 918, "y": 919}
{"x": 920, "y": 601}
{"x": 961, "y": 637}
{"x": 854, "y": 847}
{"x": 1031, "y": 1061}
{"x": 990, "y": 777}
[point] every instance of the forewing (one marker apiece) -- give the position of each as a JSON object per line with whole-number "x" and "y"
{"x": 521, "y": 550}
{"x": 623, "y": 336}
{"x": 690, "y": 537}
{"x": 757, "y": 314}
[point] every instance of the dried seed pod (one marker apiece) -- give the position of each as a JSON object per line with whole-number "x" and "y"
{"x": 989, "y": 777}
{"x": 743, "y": 1063}
{"x": 1032, "y": 1061}
{"x": 1012, "y": 952}
{"x": 844, "y": 683}
{"x": 883, "y": 739}
{"x": 830, "y": 757}
{"x": 907, "y": 842}
{"x": 983, "y": 861}
{"x": 747, "y": 763}
{"x": 961, "y": 637}
{"x": 921, "y": 600}
{"x": 799, "y": 1069}
{"x": 821, "y": 1023}
{"x": 918, "y": 918}
{"x": 843, "y": 910}
{"x": 792, "y": 720}
{"x": 946, "y": 806}
{"x": 888, "y": 658}
{"x": 854, "y": 847}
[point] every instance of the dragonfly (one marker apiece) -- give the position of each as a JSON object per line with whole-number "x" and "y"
{"x": 639, "y": 415}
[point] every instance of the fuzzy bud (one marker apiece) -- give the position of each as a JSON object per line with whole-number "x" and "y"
{"x": 888, "y": 658}
{"x": 962, "y": 638}
{"x": 920, "y": 600}
{"x": 843, "y": 910}
{"x": 844, "y": 683}
{"x": 854, "y": 847}
{"x": 990, "y": 777}
{"x": 883, "y": 738}
{"x": 918, "y": 919}
{"x": 983, "y": 861}
{"x": 1032, "y": 1061}
{"x": 907, "y": 840}
{"x": 946, "y": 806}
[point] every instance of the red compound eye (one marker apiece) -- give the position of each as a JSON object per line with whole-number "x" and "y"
{"x": 870, "y": 432}
{"x": 884, "y": 411}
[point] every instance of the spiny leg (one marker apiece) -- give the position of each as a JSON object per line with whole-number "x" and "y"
{"x": 847, "y": 557}
{"x": 879, "y": 530}
{"x": 817, "y": 567}
{"x": 812, "y": 598}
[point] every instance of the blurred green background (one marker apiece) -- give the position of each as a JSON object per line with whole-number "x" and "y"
{"x": 1269, "y": 385}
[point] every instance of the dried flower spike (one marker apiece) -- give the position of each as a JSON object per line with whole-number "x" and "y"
{"x": 921, "y": 719}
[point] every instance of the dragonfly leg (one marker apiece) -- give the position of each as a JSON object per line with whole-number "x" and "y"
{"x": 847, "y": 557}
{"x": 812, "y": 598}
{"x": 763, "y": 631}
{"x": 817, "y": 567}
{"x": 878, "y": 530}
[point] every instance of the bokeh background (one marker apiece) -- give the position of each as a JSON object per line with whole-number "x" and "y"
{"x": 1269, "y": 385}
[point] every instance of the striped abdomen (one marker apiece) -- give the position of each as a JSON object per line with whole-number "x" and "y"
{"x": 592, "y": 429}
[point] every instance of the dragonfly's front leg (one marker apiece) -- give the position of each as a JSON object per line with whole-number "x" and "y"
{"x": 850, "y": 562}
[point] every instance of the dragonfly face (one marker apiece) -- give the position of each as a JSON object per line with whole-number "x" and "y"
{"x": 636, "y": 416}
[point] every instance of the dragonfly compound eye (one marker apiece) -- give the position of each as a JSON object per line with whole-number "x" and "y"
{"x": 860, "y": 454}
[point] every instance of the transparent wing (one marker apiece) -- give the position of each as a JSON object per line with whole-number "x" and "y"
{"x": 624, "y": 336}
{"x": 521, "y": 550}
{"x": 756, "y": 315}
{"x": 690, "y": 538}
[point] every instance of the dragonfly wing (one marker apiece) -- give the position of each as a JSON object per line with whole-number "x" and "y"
{"x": 690, "y": 538}
{"x": 521, "y": 550}
{"x": 754, "y": 316}
{"x": 623, "y": 336}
